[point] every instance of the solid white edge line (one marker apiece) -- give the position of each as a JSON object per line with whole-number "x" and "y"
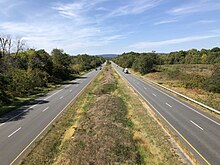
{"x": 14, "y": 132}
{"x": 53, "y": 94}
{"x": 182, "y": 103}
{"x": 2, "y": 124}
{"x": 19, "y": 114}
{"x": 196, "y": 125}
{"x": 53, "y": 119}
{"x": 29, "y": 108}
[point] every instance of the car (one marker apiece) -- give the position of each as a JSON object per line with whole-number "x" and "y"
{"x": 125, "y": 70}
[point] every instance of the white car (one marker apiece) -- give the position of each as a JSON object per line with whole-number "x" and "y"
{"x": 126, "y": 70}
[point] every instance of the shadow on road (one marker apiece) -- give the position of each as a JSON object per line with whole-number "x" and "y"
{"x": 78, "y": 77}
{"x": 21, "y": 112}
{"x": 71, "y": 82}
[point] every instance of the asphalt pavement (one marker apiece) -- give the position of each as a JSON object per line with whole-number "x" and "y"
{"x": 20, "y": 129}
{"x": 199, "y": 131}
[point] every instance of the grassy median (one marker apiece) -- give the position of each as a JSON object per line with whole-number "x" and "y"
{"x": 107, "y": 124}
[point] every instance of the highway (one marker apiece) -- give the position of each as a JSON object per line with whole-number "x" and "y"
{"x": 24, "y": 126}
{"x": 196, "y": 129}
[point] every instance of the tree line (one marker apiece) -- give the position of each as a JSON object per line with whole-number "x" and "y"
{"x": 146, "y": 62}
{"x": 23, "y": 71}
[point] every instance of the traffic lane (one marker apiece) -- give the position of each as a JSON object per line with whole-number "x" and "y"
{"x": 29, "y": 130}
{"x": 37, "y": 116}
{"x": 195, "y": 131}
{"x": 55, "y": 105}
{"x": 208, "y": 123}
{"x": 25, "y": 110}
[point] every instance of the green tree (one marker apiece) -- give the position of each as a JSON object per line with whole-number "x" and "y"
{"x": 144, "y": 64}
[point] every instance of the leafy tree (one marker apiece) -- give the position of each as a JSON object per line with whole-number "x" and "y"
{"x": 61, "y": 63}
{"x": 144, "y": 64}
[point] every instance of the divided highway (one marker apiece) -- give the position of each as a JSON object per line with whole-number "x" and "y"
{"x": 198, "y": 130}
{"x": 21, "y": 128}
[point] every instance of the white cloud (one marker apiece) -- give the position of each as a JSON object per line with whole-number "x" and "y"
{"x": 206, "y": 21}
{"x": 78, "y": 9}
{"x": 134, "y": 7}
{"x": 165, "y": 22}
{"x": 8, "y": 6}
{"x": 196, "y": 6}
{"x": 155, "y": 44}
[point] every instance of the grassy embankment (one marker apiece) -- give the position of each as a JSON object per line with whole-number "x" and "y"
{"x": 40, "y": 91}
{"x": 107, "y": 124}
{"x": 182, "y": 78}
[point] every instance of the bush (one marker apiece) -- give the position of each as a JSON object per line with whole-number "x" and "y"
{"x": 213, "y": 83}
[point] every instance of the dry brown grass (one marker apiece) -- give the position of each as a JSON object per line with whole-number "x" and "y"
{"x": 209, "y": 98}
{"x": 104, "y": 133}
{"x": 107, "y": 124}
{"x": 152, "y": 140}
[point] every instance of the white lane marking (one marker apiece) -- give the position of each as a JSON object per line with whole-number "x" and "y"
{"x": 45, "y": 109}
{"x": 20, "y": 114}
{"x": 183, "y": 104}
{"x": 154, "y": 94}
{"x": 2, "y": 124}
{"x": 35, "y": 105}
{"x": 14, "y": 132}
{"x": 168, "y": 105}
{"x": 86, "y": 85}
{"x": 61, "y": 97}
{"x": 67, "y": 86}
{"x": 53, "y": 94}
{"x": 196, "y": 125}
{"x": 145, "y": 88}
{"x": 71, "y": 90}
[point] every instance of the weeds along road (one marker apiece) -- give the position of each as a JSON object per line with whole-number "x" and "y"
{"x": 198, "y": 131}
{"x": 21, "y": 128}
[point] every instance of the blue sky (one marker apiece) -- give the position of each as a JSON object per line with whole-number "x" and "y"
{"x": 113, "y": 26}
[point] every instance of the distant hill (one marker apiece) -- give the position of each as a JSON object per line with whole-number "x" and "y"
{"x": 109, "y": 56}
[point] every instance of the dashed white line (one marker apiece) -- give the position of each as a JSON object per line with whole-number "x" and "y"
{"x": 67, "y": 86}
{"x": 196, "y": 125}
{"x": 71, "y": 90}
{"x": 53, "y": 94}
{"x": 61, "y": 97}
{"x": 168, "y": 105}
{"x": 45, "y": 109}
{"x": 14, "y": 132}
{"x": 154, "y": 94}
{"x": 145, "y": 88}
{"x": 182, "y": 103}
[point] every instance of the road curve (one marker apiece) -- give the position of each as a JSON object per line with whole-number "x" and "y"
{"x": 21, "y": 128}
{"x": 199, "y": 131}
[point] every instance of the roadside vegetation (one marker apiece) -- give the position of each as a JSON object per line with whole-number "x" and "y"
{"x": 193, "y": 73}
{"x": 27, "y": 73}
{"x": 107, "y": 124}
